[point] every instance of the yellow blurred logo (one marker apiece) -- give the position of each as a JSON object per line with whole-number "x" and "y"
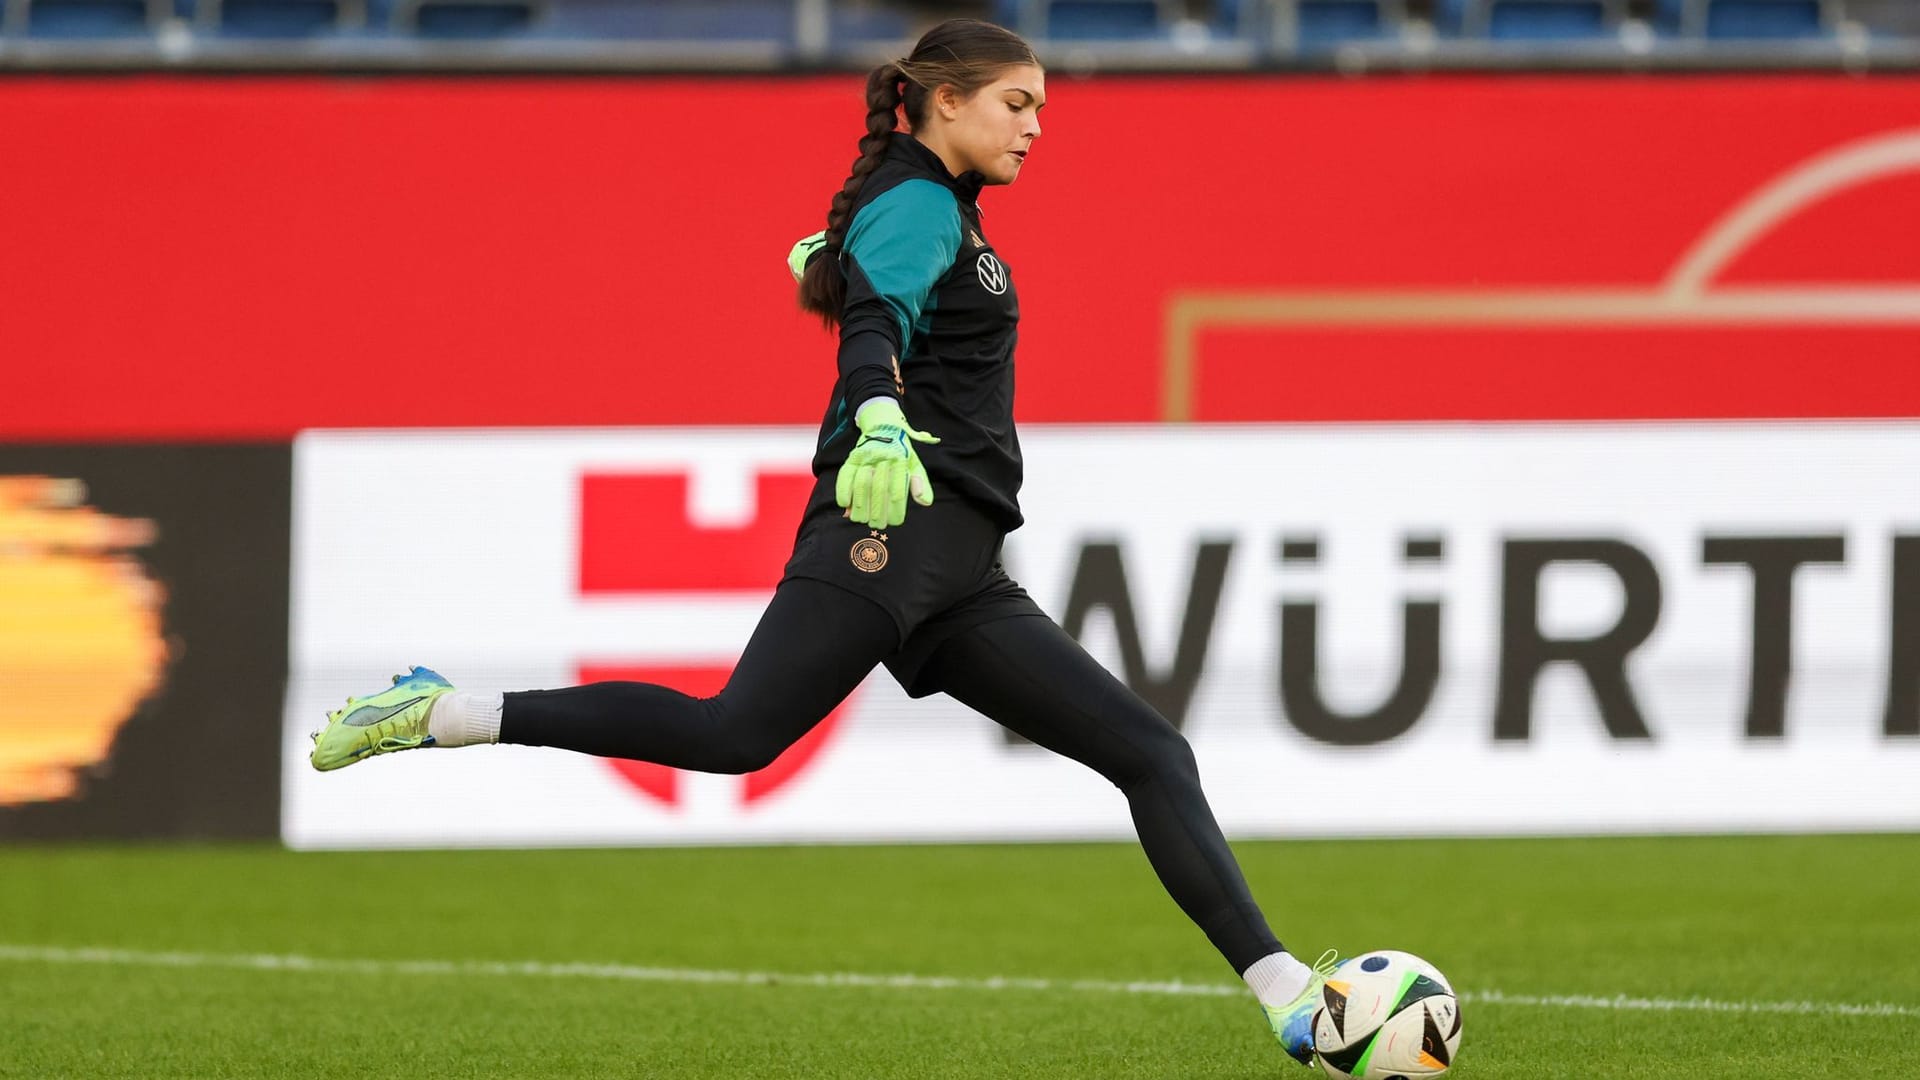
{"x": 81, "y": 638}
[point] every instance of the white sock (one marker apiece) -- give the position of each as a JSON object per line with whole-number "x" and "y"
{"x": 1276, "y": 978}
{"x": 460, "y": 718}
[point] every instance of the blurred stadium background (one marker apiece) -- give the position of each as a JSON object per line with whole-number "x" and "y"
{"x": 1570, "y": 348}
{"x": 1078, "y": 35}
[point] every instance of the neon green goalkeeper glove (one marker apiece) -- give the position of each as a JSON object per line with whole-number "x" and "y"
{"x": 802, "y": 251}
{"x": 882, "y": 471}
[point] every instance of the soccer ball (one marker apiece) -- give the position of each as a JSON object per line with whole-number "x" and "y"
{"x": 1386, "y": 1016}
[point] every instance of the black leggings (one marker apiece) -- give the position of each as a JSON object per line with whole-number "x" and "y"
{"x": 815, "y": 644}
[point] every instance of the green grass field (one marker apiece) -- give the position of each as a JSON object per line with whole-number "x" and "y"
{"x": 667, "y": 939}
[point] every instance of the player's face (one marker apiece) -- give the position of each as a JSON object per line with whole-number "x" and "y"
{"x": 992, "y": 131}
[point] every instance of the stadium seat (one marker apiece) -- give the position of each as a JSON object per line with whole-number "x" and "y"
{"x": 1089, "y": 20}
{"x": 855, "y": 23}
{"x": 1236, "y": 17}
{"x": 1748, "y": 19}
{"x": 1738, "y": 20}
{"x": 279, "y": 18}
{"x": 1532, "y": 20}
{"x": 466, "y": 18}
{"x": 1103, "y": 20}
{"x": 672, "y": 20}
{"x": 1547, "y": 20}
{"x": 1326, "y": 23}
{"x": 87, "y": 18}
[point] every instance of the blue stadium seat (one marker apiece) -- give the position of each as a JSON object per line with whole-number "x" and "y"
{"x": 276, "y": 18}
{"x": 1103, "y": 20}
{"x": 470, "y": 19}
{"x": 672, "y": 20}
{"x": 858, "y": 23}
{"x": 1233, "y": 18}
{"x": 1745, "y": 19}
{"x": 1531, "y": 20}
{"x": 1326, "y": 23}
{"x": 1748, "y": 19}
{"x": 89, "y": 18}
{"x": 1547, "y": 20}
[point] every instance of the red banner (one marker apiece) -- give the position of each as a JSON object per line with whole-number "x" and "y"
{"x": 241, "y": 258}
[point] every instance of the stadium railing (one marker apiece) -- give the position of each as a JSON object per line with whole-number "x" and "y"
{"x": 1078, "y": 36}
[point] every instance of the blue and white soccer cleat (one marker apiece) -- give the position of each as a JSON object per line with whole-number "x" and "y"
{"x": 393, "y": 719}
{"x": 1292, "y": 1022}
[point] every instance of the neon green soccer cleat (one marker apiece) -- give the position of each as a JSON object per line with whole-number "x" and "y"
{"x": 1292, "y": 1023}
{"x": 393, "y": 719}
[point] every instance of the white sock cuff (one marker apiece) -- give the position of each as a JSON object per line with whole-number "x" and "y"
{"x": 464, "y": 718}
{"x": 1277, "y": 978}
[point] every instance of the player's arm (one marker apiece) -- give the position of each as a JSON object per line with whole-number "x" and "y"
{"x": 896, "y": 250}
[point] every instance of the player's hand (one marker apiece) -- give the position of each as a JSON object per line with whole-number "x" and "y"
{"x": 802, "y": 251}
{"x": 883, "y": 471}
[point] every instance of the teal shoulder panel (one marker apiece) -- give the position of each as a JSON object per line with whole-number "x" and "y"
{"x": 904, "y": 240}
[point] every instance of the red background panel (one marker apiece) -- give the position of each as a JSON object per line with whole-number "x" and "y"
{"x": 635, "y": 535}
{"x": 1570, "y": 373}
{"x": 238, "y": 258}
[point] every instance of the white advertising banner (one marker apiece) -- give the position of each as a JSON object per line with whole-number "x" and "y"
{"x": 1363, "y": 630}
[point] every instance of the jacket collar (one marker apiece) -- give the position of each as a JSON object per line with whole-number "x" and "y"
{"x": 912, "y": 151}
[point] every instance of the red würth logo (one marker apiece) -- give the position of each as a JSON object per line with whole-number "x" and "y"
{"x": 636, "y": 539}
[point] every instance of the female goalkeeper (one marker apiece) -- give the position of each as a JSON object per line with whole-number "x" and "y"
{"x": 927, "y": 311}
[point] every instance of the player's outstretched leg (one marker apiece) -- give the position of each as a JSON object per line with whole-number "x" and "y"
{"x": 380, "y": 723}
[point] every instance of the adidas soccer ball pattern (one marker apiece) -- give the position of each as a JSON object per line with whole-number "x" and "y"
{"x": 1386, "y": 1016}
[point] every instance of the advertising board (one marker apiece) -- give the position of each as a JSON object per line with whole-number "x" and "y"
{"x": 143, "y": 640}
{"x": 1407, "y": 629}
{"x": 563, "y": 252}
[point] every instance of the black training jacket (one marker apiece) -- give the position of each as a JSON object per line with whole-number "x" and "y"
{"x": 930, "y": 320}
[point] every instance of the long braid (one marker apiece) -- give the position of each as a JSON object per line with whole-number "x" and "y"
{"x": 823, "y": 288}
{"x": 883, "y": 104}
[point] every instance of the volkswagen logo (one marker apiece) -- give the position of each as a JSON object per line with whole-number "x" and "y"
{"x": 992, "y": 275}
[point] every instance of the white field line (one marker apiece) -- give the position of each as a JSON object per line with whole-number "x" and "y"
{"x": 841, "y": 979}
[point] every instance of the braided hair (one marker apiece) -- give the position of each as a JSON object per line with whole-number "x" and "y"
{"x": 965, "y": 54}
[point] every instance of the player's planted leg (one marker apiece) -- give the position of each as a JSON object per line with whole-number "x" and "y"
{"x": 1292, "y": 1021}
{"x": 1034, "y": 678}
